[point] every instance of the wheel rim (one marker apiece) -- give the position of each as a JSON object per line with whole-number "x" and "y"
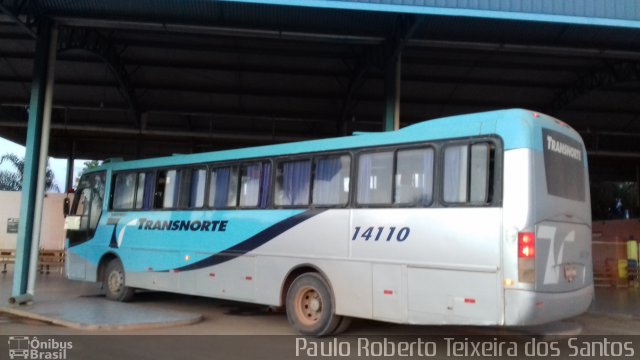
{"x": 115, "y": 281}
{"x": 308, "y": 306}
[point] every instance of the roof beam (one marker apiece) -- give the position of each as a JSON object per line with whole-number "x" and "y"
{"x": 94, "y": 42}
{"x": 601, "y": 78}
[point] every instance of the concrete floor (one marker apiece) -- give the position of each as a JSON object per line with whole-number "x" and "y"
{"x": 614, "y": 312}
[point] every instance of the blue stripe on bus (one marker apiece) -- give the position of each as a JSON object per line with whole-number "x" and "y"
{"x": 253, "y": 242}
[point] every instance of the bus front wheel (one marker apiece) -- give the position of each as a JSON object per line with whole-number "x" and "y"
{"x": 114, "y": 282}
{"x": 310, "y": 307}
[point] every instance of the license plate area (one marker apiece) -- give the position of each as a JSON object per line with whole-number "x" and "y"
{"x": 570, "y": 272}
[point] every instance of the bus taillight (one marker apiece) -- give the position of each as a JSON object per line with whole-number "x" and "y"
{"x": 526, "y": 257}
{"x": 526, "y": 245}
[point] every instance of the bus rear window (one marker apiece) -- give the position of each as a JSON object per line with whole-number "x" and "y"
{"x": 564, "y": 165}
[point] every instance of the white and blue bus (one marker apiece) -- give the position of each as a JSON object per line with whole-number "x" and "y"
{"x": 480, "y": 219}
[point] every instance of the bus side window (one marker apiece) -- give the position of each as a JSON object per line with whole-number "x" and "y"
{"x": 331, "y": 181}
{"x": 293, "y": 182}
{"x": 144, "y": 192}
{"x": 254, "y": 184}
{"x": 375, "y": 175}
{"x": 124, "y": 191}
{"x": 167, "y": 189}
{"x": 414, "y": 177}
{"x": 192, "y": 185}
{"x": 223, "y": 187}
{"x": 468, "y": 173}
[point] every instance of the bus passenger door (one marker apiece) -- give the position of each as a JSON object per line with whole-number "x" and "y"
{"x": 82, "y": 223}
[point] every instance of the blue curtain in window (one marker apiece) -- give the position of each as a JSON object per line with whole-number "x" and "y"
{"x": 295, "y": 182}
{"x": 328, "y": 184}
{"x": 147, "y": 198}
{"x": 264, "y": 185}
{"x": 221, "y": 187}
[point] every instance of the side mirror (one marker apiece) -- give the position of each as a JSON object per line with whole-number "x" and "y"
{"x": 66, "y": 207}
{"x": 66, "y": 204}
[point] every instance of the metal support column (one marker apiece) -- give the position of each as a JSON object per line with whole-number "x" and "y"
{"x": 392, "y": 94}
{"x": 35, "y": 164}
{"x": 70, "y": 161}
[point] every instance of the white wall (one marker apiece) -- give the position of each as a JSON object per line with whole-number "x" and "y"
{"x": 52, "y": 233}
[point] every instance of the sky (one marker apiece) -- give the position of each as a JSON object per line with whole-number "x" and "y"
{"x": 59, "y": 166}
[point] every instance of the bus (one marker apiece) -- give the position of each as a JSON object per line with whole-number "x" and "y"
{"x": 479, "y": 219}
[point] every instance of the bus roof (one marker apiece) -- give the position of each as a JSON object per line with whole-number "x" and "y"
{"x": 514, "y": 126}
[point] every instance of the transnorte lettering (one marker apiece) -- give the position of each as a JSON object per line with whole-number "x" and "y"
{"x": 183, "y": 225}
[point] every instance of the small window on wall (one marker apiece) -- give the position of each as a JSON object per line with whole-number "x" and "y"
{"x": 223, "y": 187}
{"x": 468, "y": 173}
{"x": 293, "y": 182}
{"x": 375, "y": 175}
{"x": 331, "y": 181}
{"x": 124, "y": 191}
{"x": 254, "y": 184}
{"x": 414, "y": 177}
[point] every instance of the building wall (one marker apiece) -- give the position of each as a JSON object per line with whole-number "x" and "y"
{"x": 52, "y": 233}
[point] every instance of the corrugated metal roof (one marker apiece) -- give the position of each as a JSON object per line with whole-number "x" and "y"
{"x": 619, "y": 13}
{"x": 623, "y": 13}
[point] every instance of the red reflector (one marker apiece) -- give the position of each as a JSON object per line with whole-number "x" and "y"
{"x": 469, "y": 301}
{"x": 526, "y": 245}
{"x": 248, "y": 278}
{"x": 388, "y": 292}
{"x": 212, "y": 274}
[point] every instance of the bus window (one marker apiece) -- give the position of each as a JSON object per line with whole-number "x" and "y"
{"x": 331, "y": 181}
{"x": 479, "y": 174}
{"x": 468, "y": 173}
{"x": 375, "y": 178}
{"x": 124, "y": 190}
{"x": 455, "y": 174}
{"x": 414, "y": 177}
{"x": 144, "y": 193}
{"x": 223, "y": 187}
{"x": 167, "y": 186}
{"x": 250, "y": 184}
{"x": 192, "y": 185}
{"x": 140, "y": 190}
{"x": 293, "y": 182}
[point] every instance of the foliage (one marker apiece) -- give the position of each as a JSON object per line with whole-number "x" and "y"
{"x": 87, "y": 165}
{"x": 12, "y": 180}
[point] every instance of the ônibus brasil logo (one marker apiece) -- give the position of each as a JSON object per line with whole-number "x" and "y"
{"x": 32, "y": 348}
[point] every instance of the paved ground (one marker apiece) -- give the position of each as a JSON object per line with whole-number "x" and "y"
{"x": 615, "y": 311}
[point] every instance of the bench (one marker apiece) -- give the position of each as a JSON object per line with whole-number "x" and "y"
{"x": 48, "y": 259}
{"x": 7, "y": 257}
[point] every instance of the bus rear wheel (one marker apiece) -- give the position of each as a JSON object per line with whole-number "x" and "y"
{"x": 310, "y": 308}
{"x": 114, "y": 281}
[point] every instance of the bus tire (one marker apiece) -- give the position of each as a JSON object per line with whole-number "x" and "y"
{"x": 344, "y": 324}
{"x": 114, "y": 281}
{"x": 310, "y": 306}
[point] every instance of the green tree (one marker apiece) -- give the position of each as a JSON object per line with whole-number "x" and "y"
{"x": 87, "y": 165}
{"x": 12, "y": 180}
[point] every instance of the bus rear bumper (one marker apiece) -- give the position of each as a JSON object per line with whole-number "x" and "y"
{"x": 523, "y": 307}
